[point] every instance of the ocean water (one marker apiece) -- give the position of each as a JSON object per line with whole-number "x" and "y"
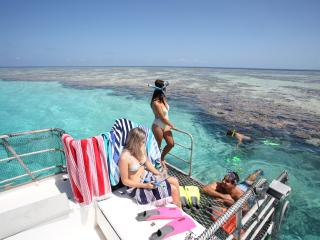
{"x": 280, "y": 106}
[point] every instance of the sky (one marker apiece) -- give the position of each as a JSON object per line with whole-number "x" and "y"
{"x": 281, "y": 34}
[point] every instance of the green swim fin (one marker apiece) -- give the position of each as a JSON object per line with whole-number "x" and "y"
{"x": 193, "y": 194}
{"x": 268, "y": 142}
{"x": 183, "y": 198}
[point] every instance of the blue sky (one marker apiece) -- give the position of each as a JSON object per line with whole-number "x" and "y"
{"x": 256, "y": 33}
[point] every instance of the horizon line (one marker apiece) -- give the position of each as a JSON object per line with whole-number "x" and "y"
{"x": 134, "y": 66}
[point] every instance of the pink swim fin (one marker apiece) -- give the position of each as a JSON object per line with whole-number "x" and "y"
{"x": 174, "y": 227}
{"x": 159, "y": 213}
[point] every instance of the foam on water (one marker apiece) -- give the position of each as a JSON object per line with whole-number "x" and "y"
{"x": 86, "y": 102}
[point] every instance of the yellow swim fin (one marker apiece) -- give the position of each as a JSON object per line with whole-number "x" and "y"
{"x": 193, "y": 196}
{"x": 183, "y": 198}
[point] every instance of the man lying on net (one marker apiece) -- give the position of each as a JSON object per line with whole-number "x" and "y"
{"x": 229, "y": 190}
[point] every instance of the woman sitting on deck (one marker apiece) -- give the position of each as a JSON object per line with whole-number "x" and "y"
{"x": 146, "y": 184}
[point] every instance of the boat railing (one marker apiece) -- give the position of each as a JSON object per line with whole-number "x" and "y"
{"x": 30, "y": 155}
{"x": 189, "y": 148}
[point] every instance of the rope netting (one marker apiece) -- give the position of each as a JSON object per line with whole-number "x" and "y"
{"x": 37, "y": 152}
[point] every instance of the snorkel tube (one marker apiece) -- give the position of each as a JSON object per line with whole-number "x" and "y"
{"x": 157, "y": 88}
{"x": 233, "y": 132}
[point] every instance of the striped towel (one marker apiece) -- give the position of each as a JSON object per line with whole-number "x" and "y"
{"x": 159, "y": 196}
{"x": 87, "y": 168}
{"x": 153, "y": 151}
{"x": 115, "y": 140}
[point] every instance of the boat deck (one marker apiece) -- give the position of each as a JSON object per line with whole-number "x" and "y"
{"x": 113, "y": 217}
{"x": 118, "y": 211}
{"x": 78, "y": 223}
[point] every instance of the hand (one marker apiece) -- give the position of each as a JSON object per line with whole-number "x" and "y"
{"x": 164, "y": 174}
{"x": 149, "y": 185}
{"x": 228, "y": 200}
{"x": 163, "y": 165}
{"x": 161, "y": 176}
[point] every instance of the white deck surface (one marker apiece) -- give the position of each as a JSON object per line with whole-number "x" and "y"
{"x": 34, "y": 191}
{"x": 80, "y": 223}
{"x": 121, "y": 212}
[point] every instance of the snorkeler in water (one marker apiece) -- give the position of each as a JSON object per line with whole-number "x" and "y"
{"x": 239, "y": 136}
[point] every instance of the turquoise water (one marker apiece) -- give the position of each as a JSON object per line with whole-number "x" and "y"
{"x": 60, "y": 98}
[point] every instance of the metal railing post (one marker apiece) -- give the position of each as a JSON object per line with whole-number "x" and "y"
{"x": 189, "y": 148}
{"x": 13, "y": 152}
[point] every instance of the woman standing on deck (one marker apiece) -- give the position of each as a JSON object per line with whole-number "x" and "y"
{"x": 161, "y": 126}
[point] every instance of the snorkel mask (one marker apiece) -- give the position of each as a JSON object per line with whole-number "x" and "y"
{"x": 161, "y": 88}
{"x": 233, "y": 177}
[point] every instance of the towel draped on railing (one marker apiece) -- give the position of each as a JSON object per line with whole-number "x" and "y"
{"x": 87, "y": 168}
